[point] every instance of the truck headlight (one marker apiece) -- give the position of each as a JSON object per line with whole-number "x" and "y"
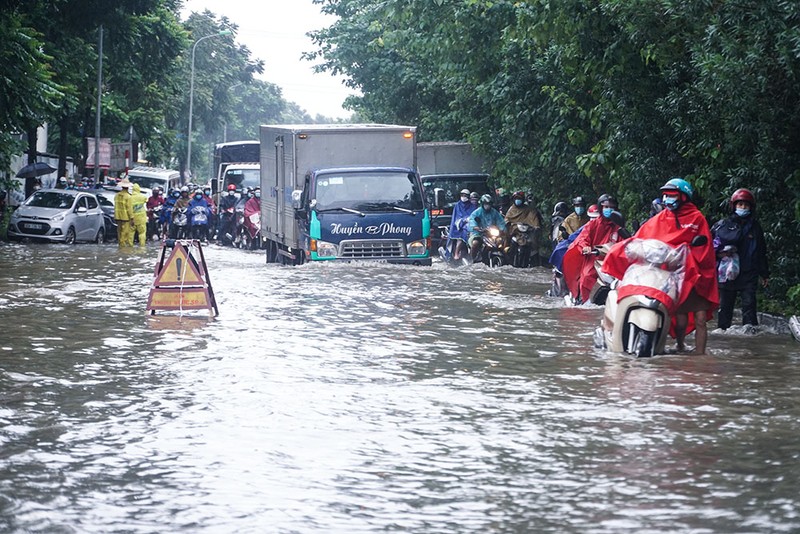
{"x": 326, "y": 250}
{"x": 417, "y": 248}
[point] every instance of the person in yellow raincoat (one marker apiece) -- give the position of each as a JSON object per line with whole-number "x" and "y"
{"x": 123, "y": 213}
{"x": 139, "y": 202}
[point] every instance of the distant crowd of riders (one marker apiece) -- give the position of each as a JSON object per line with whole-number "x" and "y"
{"x": 189, "y": 212}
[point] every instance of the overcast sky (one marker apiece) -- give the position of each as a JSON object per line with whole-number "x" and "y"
{"x": 275, "y": 31}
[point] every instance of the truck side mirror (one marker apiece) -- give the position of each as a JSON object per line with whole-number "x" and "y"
{"x": 297, "y": 196}
{"x": 438, "y": 197}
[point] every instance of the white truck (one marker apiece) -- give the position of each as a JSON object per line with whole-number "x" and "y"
{"x": 342, "y": 192}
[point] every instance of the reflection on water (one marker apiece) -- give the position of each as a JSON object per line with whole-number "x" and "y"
{"x": 347, "y": 398}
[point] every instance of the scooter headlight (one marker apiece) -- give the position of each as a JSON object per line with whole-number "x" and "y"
{"x": 494, "y": 232}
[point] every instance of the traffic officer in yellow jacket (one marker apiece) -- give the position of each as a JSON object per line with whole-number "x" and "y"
{"x": 123, "y": 213}
{"x": 139, "y": 201}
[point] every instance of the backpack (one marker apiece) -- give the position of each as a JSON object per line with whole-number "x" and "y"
{"x": 726, "y": 232}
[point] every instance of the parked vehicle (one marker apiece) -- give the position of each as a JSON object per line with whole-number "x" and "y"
{"x": 235, "y": 162}
{"x": 58, "y": 215}
{"x": 342, "y": 192}
{"x": 150, "y": 177}
{"x": 106, "y": 199}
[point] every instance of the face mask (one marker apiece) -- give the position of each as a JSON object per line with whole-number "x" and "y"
{"x": 518, "y": 202}
{"x": 198, "y": 197}
{"x": 464, "y": 198}
{"x": 474, "y": 201}
{"x": 250, "y": 195}
{"x": 258, "y": 195}
{"x": 231, "y": 193}
{"x": 742, "y": 212}
{"x": 579, "y": 210}
{"x": 670, "y": 202}
{"x": 487, "y": 207}
{"x": 607, "y": 212}
{"x": 207, "y": 193}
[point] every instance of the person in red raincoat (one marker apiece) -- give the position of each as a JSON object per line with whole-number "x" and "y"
{"x": 596, "y": 232}
{"x": 677, "y": 225}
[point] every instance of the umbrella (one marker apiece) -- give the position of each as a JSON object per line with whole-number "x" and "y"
{"x": 32, "y": 170}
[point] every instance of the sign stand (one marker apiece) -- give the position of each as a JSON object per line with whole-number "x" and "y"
{"x": 181, "y": 282}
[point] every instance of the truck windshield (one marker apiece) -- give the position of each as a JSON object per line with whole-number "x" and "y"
{"x": 242, "y": 178}
{"x": 452, "y": 186}
{"x": 368, "y": 191}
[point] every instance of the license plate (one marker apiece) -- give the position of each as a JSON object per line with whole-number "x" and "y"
{"x": 34, "y": 226}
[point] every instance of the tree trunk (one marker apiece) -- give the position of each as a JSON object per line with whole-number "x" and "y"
{"x": 29, "y": 182}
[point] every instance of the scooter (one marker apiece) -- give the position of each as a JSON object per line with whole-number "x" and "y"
{"x": 492, "y": 253}
{"x": 227, "y": 227}
{"x": 153, "y": 224}
{"x": 639, "y": 323}
{"x": 179, "y": 229}
{"x": 448, "y": 253}
{"x": 522, "y": 238}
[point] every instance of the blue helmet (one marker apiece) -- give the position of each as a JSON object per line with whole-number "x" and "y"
{"x": 679, "y": 184}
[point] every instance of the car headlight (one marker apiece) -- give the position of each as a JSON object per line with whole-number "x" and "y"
{"x": 417, "y": 248}
{"x": 58, "y": 218}
{"x": 326, "y": 250}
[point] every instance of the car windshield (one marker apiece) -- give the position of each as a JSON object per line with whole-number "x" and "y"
{"x": 368, "y": 191}
{"x": 242, "y": 178}
{"x": 452, "y": 186}
{"x": 147, "y": 182}
{"x": 50, "y": 199}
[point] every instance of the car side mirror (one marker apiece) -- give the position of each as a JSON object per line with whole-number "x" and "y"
{"x": 81, "y": 209}
{"x": 699, "y": 241}
{"x": 438, "y": 197}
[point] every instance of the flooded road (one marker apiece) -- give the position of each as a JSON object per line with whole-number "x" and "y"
{"x": 364, "y": 398}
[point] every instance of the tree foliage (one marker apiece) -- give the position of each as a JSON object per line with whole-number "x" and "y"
{"x": 587, "y": 96}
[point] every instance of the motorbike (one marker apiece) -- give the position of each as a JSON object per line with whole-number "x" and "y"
{"x": 639, "y": 323}
{"x": 250, "y": 232}
{"x": 522, "y": 241}
{"x": 448, "y": 252}
{"x": 492, "y": 253}
{"x": 179, "y": 229}
{"x": 155, "y": 229}
{"x": 227, "y": 227}
{"x": 200, "y": 222}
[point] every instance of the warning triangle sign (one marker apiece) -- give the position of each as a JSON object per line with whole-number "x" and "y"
{"x": 180, "y": 269}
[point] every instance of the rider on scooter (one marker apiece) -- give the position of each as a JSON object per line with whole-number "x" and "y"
{"x": 522, "y": 213}
{"x": 457, "y": 237}
{"x": 482, "y": 218}
{"x": 679, "y": 224}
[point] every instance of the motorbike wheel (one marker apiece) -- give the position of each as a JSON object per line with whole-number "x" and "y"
{"x": 643, "y": 343}
{"x": 495, "y": 261}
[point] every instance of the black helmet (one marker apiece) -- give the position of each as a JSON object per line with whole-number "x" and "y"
{"x": 578, "y": 201}
{"x": 606, "y": 198}
{"x": 560, "y": 209}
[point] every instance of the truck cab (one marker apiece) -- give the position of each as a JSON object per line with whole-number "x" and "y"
{"x": 366, "y": 213}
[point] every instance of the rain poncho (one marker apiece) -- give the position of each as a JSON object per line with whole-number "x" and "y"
{"x": 596, "y": 232}
{"x": 487, "y": 219}
{"x": 675, "y": 229}
{"x": 460, "y": 220}
{"x": 199, "y": 211}
{"x": 252, "y": 215}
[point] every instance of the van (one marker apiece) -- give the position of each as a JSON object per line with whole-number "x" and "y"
{"x": 150, "y": 177}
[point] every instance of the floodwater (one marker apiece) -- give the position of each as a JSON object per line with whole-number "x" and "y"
{"x": 366, "y": 397}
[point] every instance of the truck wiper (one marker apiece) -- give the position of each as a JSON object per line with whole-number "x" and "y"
{"x": 398, "y": 208}
{"x": 348, "y": 210}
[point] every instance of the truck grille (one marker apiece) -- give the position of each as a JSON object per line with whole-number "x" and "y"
{"x": 372, "y": 249}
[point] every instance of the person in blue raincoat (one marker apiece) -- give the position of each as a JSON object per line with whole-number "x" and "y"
{"x": 199, "y": 216}
{"x": 459, "y": 232}
{"x": 483, "y": 217}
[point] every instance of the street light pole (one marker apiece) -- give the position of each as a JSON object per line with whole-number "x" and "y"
{"x": 191, "y": 98}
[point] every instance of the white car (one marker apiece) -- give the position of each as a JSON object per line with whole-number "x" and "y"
{"x": 58, "y": 215}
